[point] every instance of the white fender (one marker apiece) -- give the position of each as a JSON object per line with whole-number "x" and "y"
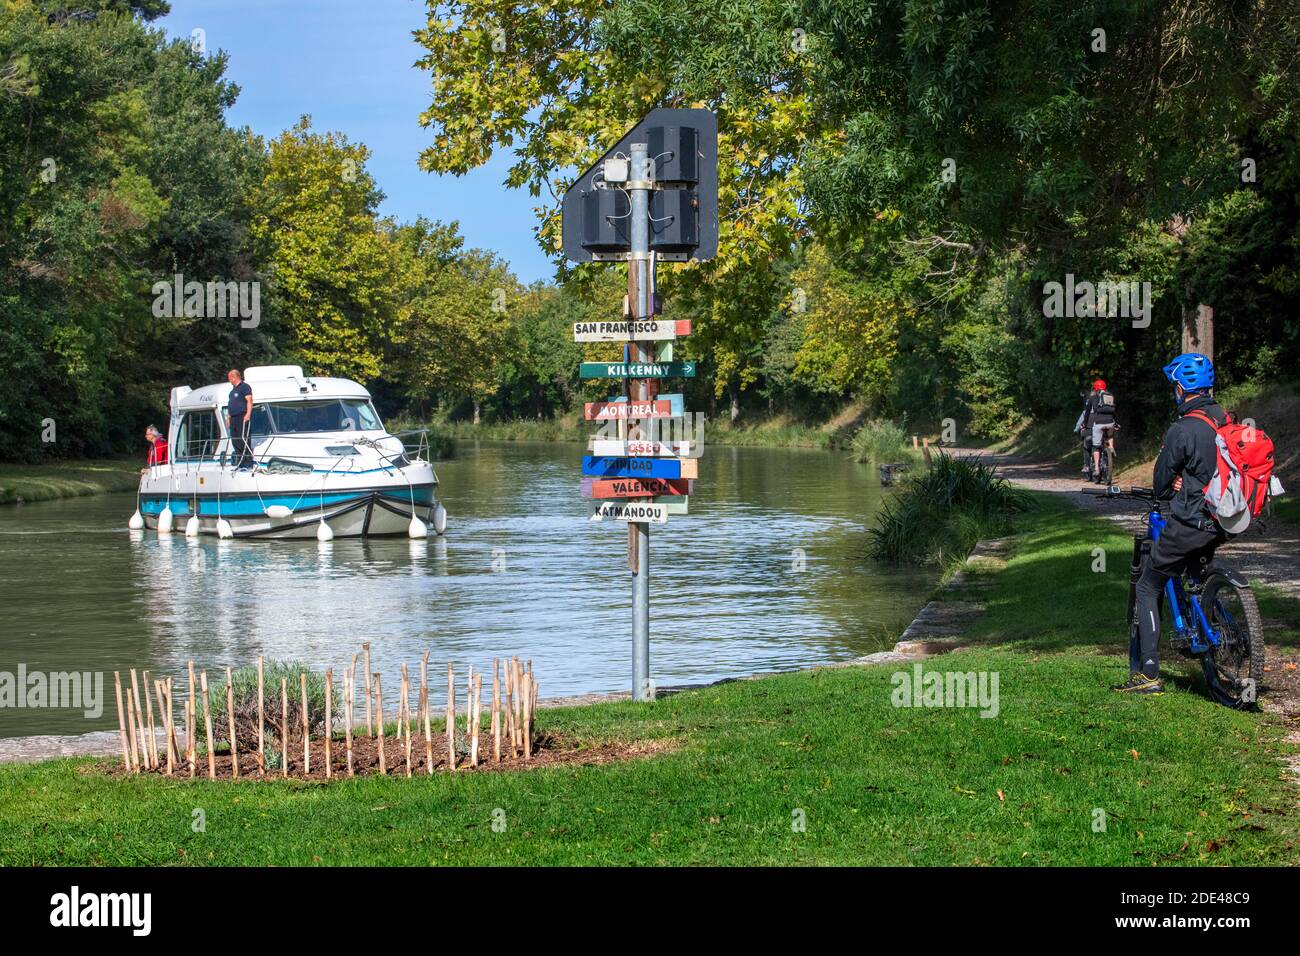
{"x": 136, "y": 522}
{"x": 165, "y": 520}
{"x": 324, "y": 532}
{"x": 439, "y": 519}
{"x": 279, "y": 511}
{"x": 417, "y": 528}
{"x": 223, "y": 529}
{"x": 192, "y": 527}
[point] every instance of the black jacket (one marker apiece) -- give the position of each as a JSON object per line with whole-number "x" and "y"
{"x": 1189, "y": 450}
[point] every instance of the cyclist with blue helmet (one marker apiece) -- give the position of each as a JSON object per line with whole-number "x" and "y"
{"x": 1187, "y": 463}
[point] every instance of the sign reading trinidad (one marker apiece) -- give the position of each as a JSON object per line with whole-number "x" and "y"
{"x": 631, "y": 330}
{"x": 615, "y": 467}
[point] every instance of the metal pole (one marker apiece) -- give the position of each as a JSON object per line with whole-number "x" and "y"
{"x": 639, "y": 302}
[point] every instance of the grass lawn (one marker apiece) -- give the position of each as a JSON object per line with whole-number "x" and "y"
{"x": 1177, "y": 779}
{"x": 67, "y": 479}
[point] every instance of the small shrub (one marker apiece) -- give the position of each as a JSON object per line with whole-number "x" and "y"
{"x": 245, "y": 687}
{"x": 880, "y": 442}
{"x": 943, "y": 511}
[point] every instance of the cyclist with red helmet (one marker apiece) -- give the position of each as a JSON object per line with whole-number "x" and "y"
{"x": 1096, "y": 426}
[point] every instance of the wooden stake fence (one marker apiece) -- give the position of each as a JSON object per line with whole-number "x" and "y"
{"x": 511, "y": 722}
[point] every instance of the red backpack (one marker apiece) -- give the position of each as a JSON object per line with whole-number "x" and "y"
{"x": 1243, "y": 480}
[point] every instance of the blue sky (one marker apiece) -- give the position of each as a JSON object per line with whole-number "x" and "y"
{"x": 348, "y": 63}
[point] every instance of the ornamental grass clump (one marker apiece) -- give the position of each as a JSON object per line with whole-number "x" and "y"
{"x": 942, "y": 512}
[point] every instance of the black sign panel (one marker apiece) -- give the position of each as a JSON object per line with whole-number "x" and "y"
{"x": 683, "y": 147}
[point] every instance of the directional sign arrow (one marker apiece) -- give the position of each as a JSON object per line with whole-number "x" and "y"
{"x": 637, "y": 370}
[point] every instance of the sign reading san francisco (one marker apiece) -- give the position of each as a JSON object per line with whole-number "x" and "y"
{"x": 640, "y": 330}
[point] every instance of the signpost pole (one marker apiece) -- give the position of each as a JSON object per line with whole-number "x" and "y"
{"x": 640, "y": 304}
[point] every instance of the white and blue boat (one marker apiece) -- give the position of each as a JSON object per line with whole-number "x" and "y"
{"x": 323, "y": 465}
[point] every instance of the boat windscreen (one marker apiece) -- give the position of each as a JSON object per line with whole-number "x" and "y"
{"x": 325, "y": 415}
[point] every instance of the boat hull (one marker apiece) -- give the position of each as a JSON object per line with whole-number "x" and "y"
{"x": 352, "y": 513}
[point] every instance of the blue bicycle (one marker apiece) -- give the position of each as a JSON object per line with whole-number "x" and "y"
{"x": 1214, "y": 615}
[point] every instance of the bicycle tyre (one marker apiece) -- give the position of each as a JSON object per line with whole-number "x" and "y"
{"x": 1228, "y": 666}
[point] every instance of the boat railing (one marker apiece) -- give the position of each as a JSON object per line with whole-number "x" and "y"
{"x": 413, "y": 447}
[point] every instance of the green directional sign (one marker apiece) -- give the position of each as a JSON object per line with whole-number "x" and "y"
{"x": 637, "y": 370}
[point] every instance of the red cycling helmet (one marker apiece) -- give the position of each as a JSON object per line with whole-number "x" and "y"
{"x": 1099, "y": 385}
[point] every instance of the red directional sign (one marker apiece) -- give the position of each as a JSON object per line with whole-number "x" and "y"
{"x": 634, "y": 487}
{"x": 617, "y": 411}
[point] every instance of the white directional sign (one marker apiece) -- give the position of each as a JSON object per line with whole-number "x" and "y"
{"x": 637, "y": 511}
{"x": 639, "y": 330}
{"x": 612, "y": 448}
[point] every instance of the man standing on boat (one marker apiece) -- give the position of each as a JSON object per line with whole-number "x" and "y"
{"x": 239, "y": 414}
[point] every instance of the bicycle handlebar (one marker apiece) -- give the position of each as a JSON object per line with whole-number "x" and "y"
{"x": 1115, "y": 491}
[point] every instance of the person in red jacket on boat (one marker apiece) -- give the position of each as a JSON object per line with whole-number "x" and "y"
{"x": 157, "y": 448}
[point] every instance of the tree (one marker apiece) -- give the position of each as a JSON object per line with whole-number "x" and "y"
{"x": 333, "y": 271}
{"x": 453, "y": 320}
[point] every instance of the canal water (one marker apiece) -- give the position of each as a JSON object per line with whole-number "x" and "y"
{"x": 766, "y": 573}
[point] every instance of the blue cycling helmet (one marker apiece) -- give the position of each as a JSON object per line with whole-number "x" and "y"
{"x": 1192, "y": 370}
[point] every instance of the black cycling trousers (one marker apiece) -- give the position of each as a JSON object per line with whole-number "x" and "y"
{"x": 1180, "y": 548}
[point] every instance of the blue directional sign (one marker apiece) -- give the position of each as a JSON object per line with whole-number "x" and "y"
{"x": 631, "y": 467}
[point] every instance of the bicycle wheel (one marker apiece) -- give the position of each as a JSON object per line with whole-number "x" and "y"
{"x": 1235, "y": 667}
{"x": 1104, "y": 463}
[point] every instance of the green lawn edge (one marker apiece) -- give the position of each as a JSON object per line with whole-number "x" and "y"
{"x": 71, "y": 479}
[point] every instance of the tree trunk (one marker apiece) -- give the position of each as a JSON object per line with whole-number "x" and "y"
{"x": 477, "y": 411}
{"x": 1198, "y": 330}
{"x": 734, "y": 389}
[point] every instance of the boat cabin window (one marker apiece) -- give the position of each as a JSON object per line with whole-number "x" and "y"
{"x": 261, "y": 422}
{"x": 197, "y": 436}
{"x": 326, "y": 415}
